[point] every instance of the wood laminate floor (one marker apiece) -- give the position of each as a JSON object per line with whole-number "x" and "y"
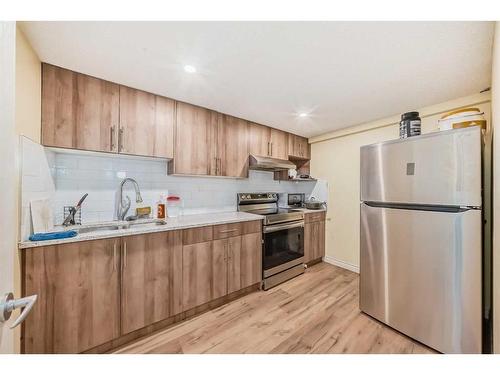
{"x": 316, "y": 312}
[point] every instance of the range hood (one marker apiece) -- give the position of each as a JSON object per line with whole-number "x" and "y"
{"x": 263, "y": 163}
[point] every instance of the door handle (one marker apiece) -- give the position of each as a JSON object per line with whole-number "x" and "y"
{"x": 9, "y": 304}
{"x": 268, "y": 148}
{"x": 271, "y": 148}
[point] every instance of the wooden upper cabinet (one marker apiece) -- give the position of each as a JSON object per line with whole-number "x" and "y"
{"x": 78, "y": 296}
{"x": 146, "y": 124}
{"x": 78, "y": 111}
{"x": 232, "y": 146}
{"x": 279, "y": 144}
{"x": 195, "y": 140}
{"x": 151, "y": 278}
{"x": 259, "y": 142}
{"x": 298, "y": 147}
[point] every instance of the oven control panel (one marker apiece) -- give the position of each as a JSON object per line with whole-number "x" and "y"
{"x": 257, "y": 197}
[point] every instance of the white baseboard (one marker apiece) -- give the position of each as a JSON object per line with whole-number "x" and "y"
{"x": 341, "y": 263}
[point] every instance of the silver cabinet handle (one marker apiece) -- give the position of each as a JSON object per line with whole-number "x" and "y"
{"x": 124, "y": 254}
{"x": 268, "y": 148}
{"x": 228, "y": 230}
{"x": 120, "y": 140}
{"x": 216, "y": 166}
{"x": 225, "y": 251}
{"x": 114, "y": 256}
{"x": 220, "y": 166}
{"x": 112, "y": 137}
{"x": 271, "y": 148}
{"x": 9, "y": 304}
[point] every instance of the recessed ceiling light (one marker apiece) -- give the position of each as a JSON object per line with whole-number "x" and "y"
{"x": 189, "y": 69}
{"x": 303, "y": 114}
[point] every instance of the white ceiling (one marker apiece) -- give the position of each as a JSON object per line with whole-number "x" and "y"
{"x": 342, "y": 73}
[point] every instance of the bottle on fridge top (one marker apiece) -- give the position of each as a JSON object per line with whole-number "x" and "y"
{"x": 409, "y": 125}
{"x": 160, "y": 208}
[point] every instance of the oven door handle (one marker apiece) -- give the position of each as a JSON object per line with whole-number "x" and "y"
{"x": 275, "y": 228}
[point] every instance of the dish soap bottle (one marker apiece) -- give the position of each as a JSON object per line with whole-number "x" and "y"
{"x": 160, "y": 208}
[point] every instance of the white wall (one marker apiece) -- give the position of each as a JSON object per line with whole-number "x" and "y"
{"x": 335, "y": 158}
{"x": 8, "y": 160}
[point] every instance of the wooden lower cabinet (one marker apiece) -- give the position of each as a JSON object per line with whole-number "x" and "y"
{"x": 151, "y": 285}
{"x": 97, "y": 292}
{"x": 213, "y": 269}
{"x": 78, "y": 296}
{"x": 198, "y": 267}
{"x": 314, "y": 240}
{"x": 250, "y": 259}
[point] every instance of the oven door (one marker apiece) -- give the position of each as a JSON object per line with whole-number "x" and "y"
{"x": 283, "y": 247}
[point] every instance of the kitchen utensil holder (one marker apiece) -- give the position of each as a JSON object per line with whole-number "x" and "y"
{"x": 78, "y": 214}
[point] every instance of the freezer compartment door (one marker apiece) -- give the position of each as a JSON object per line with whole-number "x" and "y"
{"x": 420, "y": 273}
{"x": 442, "y": 168}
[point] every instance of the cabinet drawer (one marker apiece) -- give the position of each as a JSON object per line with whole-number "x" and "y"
{"x": 315, "y": 216}
{"x": 251, "y": 227}
{"x": 227, "y": 230}
{"x": 197, "y": 235}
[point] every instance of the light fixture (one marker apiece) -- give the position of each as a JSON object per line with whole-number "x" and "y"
{"x": 303, "y": 114}
{"x": 189, "y": 69}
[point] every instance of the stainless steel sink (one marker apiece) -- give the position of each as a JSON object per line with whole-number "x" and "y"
{"x": 100, "y": 228}
{"x": 119, "y": 225}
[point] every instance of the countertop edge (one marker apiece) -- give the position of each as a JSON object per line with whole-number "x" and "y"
{"x": 133, "y": 232}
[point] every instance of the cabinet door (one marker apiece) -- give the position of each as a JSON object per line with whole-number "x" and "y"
{"x": 146, "y": 123}
{"x": 259, "y": 140}
{"x": 319, "y": 249}
{"x": 151, "y": 278}
{"x": 250, "y": 259}
{"x": 78, "y": 296}
{"x": 232, "y": 147}
{"x": 309, "y": 242}
{"x": 78, "y": 111}
{"x": 219, "y": 268}
{"x": 234, "y": 264}
{"x": 298, "y": 146}
{"x": 194, "y": 149}
{"x": 279, "y": 144}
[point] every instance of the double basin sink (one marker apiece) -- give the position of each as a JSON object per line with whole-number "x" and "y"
{"x": 118, "y": 225}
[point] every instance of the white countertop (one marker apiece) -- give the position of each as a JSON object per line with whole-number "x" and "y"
{"x": 172, "y": 223}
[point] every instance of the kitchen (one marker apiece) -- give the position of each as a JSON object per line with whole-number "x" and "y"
{"x": 159, "y": 211}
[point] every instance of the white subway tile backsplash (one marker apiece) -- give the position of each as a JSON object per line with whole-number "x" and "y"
{"x": 72, "y": 175}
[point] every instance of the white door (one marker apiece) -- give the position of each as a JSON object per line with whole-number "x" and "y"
{"x": 8, "y": 183}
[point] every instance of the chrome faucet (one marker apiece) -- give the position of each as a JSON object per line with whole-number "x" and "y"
{"x": 124, "y": 204}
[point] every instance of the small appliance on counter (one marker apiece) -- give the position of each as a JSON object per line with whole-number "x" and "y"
{"x": 291, "y": 200}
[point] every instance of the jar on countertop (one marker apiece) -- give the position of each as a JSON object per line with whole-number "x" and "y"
{"x": 174, "y": 204}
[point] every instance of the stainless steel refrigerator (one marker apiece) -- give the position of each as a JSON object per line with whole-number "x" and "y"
{"x": 421, "y": 237}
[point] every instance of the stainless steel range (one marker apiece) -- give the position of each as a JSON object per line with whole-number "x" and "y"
{"x": 283, "y": 237}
